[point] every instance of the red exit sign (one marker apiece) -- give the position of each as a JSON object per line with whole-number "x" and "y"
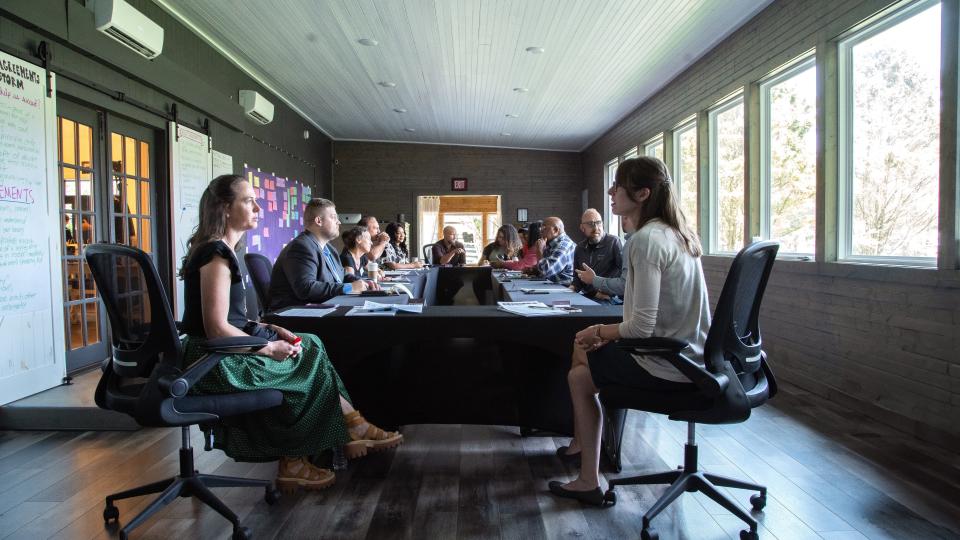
{"x": 458, "y": 184}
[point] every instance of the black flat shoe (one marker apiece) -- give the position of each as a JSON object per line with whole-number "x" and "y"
{"x": 593, "y": 497}
{"x": 571, "y": 458}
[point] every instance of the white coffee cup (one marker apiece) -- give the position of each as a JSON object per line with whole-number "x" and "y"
{"x": 373, "y": 270}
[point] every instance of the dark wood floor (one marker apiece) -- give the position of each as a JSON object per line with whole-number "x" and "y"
{"x": 831, "y": 473}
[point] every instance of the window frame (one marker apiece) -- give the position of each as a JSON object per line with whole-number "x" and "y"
{"x": 651, "y": 143}
{"x": 687, "y": 124}
{"x": 721, "y": 107}
{"x": 845, "y": 45}
{"x": 612, "y": 220}
{"x": 795, "y": 67}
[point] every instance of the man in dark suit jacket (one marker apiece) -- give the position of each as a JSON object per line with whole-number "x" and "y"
{"x": 307, "y": 270}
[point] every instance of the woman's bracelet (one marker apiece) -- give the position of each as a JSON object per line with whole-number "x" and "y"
{"x": 599, "y": 327}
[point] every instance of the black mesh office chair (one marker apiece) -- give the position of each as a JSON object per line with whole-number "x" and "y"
{"x": 144, "y": 379}
{"x": 260, "y": 269}
{"x": 736, "y": 379}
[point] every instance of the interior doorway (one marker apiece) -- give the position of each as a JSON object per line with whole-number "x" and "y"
{"x": 476, "y": 218}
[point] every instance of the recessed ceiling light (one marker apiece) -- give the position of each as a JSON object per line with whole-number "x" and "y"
{"x": 387, "y": 84}
{"x": 368, "y": 42}
{"x": 505, "y": 134}
{"x": 520, "y": 89}
{"x": 511, "y": 115}
{"x": 534, "y": 50}
{"x": 400, "y": 110}
{"x": 411, "y": 130}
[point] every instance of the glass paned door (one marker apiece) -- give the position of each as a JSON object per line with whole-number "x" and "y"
{"x": 132, "y": 203}
{"x": 79, "y": 161}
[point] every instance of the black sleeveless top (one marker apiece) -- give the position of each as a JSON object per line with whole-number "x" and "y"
{"x": 192, "y": 310}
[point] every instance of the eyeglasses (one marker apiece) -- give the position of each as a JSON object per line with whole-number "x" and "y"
{"x": 592, "y": 223}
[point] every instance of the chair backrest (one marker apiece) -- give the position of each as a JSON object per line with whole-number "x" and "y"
{"x": 143, "y": 330}
{"x": 430, "y": 287}
{"x": 428, "y": 254}
{"x": 260, "y": 269}
{"x": 735, "y": 330}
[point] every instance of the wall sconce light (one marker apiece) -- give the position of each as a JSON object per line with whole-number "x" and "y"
{"x": 522, "y": 215}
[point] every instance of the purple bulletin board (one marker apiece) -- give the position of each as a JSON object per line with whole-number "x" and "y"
{"x": 282, "y": 201}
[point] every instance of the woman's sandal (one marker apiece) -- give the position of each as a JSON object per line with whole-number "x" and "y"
{"x": 300, "y": 473}
{"x": 374, "y": 440}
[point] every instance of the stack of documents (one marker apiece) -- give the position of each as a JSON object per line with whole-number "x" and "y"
{"x": 529, "y": 309}
{"x": 307, "y": 312}
{"x": 377, "y": 309}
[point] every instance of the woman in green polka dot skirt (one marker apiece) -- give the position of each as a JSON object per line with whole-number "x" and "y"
{"x": 316, "y": 413}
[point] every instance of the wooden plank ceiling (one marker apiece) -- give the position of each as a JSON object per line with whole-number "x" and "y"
{"x": 456, "y": 63}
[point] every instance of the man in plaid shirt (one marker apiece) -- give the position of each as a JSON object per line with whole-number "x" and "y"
{"x": 555, "y": 251}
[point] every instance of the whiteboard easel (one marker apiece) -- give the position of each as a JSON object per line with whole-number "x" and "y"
{"x": 191, "y": 169}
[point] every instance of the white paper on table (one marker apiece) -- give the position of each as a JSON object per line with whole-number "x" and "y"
{"x": 546, "y": 291}
{"x": 306, "y": 312}
{"x": 360, "y": 311}
{"x": 529, "y": 309}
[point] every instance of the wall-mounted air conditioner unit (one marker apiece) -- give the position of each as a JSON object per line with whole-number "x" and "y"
{"x": 125, "y": 24}
{"x": 256, "y": 106}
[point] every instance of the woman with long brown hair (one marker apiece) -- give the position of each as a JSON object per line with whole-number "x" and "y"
{"x": 505, "y": 247}
{"x": 665, "y": 296}
{"x": 316, "y": 413}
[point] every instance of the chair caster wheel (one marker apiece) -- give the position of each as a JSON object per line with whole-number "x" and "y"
{"x": 110, "y": 513}
{"x": 749, "y": 535}
{"x": 649, "y": 534}
{"x": 242, "y": 533}
{"x": 271, "y": 494}
{"x": 758, "y": 502}
{"x": 609, "y": 498}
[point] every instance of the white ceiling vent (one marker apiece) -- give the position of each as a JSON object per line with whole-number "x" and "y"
{"x": 125, "y": 24}
{"x": 256, "y": 106}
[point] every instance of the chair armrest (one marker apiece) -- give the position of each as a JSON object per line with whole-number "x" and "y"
{"x": 653, "y": 345}
{"x": 233, "y": 344}
{"x": 669, "y": 349}
{"x": 178, "y": 386}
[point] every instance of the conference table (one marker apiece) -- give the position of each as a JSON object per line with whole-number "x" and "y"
{"x": 457, "y": 364}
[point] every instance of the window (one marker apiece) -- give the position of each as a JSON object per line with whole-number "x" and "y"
{"x": 685, "y": 170}
{"x": 632, "y": 153}
{"x": 611, "y": 220}
{"x": 889, "y": 138}
{"x": 788, "y": 150}
{"x": 726, "y": 176}
{"x": 654, "y": 147}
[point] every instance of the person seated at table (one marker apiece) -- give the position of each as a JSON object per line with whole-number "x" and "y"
{"x": 528, "y": 252}
{"x": 448, "y": 250}
{"x": 356, "y": 253}
{"x": 307, "y": 270}
{"x": 666, "y": 296}
{"x": 599, "y": 253}
{"x": 506, "y": 246}
{"x": 396, "y": 256}
{"x": 378, "y": 240}
{"x": 609, "y": 289}
{"x": 554, "y": 253}
{"x": 522, "y": 233}
{"x": 317, "y": 413}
